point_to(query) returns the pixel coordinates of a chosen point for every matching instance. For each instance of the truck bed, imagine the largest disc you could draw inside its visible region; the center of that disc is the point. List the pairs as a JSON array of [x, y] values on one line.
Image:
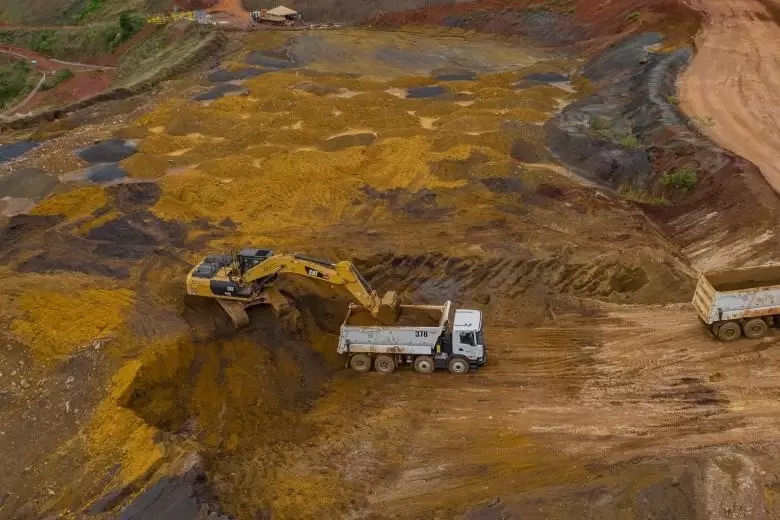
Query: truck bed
[[738, 294], [417, 331]]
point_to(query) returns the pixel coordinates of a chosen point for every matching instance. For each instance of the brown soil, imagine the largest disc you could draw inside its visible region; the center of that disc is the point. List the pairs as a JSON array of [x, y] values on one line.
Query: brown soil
[[734, 93], [407, 317], [81, 86]]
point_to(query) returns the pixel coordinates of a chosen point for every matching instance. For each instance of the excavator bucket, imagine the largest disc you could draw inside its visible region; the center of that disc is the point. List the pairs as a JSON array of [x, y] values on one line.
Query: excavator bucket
[[387, 312]]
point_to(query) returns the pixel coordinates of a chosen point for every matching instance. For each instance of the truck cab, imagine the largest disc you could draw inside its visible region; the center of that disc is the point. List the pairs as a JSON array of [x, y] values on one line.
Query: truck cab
[[467, 336]]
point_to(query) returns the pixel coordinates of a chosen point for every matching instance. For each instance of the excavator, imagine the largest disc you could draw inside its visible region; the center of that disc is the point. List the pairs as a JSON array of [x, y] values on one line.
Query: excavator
[[242, 279]]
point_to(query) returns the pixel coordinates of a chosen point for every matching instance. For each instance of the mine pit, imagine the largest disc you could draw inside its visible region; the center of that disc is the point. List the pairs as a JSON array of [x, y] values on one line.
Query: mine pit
[[450, 152]]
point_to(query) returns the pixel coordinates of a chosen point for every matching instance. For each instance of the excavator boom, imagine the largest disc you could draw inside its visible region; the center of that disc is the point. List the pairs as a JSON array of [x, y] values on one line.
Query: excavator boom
[[246, 278]]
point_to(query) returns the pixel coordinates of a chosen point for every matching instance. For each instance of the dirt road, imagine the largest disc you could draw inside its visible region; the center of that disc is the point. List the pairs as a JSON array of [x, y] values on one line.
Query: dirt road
[[734, 80]]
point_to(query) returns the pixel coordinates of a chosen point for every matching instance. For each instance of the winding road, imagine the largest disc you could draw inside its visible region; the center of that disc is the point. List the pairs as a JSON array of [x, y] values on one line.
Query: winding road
[[45, 66], [735, 80]]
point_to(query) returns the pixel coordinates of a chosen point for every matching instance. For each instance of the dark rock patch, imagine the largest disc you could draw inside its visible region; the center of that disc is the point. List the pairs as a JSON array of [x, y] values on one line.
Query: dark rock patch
[[546, 77], [141, 228], [220, 91], [528, 83], [425, 92], [76, 260], [524, 152], [262, 58], [504, 184], [105, 173], [27, 183], [223, 76], [347, 141], [20, 227], [109, 151], [12, 151], [139, 195]]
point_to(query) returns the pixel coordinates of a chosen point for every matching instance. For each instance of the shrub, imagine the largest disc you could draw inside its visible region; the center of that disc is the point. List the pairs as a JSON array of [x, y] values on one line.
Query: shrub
[[633, 16], [684, 179], [600, 122], [57, 78], [672, 100], [630, 192], [630, 141]]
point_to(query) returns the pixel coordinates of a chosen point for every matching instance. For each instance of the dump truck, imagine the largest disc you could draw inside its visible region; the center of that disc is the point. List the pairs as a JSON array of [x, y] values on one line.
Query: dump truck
[[740, 301], [424, 336]]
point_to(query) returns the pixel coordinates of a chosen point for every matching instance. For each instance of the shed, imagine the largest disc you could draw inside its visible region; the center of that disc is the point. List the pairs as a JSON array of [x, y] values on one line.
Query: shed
[[281, 11]]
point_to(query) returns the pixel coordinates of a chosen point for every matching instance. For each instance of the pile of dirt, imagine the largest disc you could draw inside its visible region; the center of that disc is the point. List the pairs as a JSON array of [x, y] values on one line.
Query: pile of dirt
[[407, 317], [27, 183], [110, 151]]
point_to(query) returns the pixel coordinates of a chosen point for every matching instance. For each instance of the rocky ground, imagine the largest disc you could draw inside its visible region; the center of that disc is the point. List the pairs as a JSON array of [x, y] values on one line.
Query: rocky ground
[[447, 165]]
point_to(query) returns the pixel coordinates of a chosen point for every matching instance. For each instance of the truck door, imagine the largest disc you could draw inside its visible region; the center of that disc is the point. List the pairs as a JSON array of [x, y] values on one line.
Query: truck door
[[465, 344]]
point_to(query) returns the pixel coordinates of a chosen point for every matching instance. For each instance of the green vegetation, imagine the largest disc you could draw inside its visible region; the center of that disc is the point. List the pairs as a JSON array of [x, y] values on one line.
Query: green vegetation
[[633, 16], [94, 40], [91, 7], [683, 179], [672, 100], [630, 141], [600, 123], [14, 82], [630, 192], [702, 121], [57, 78]]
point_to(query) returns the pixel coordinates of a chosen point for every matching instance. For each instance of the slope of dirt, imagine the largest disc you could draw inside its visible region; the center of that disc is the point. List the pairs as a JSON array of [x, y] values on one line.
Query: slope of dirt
[[732, 83]]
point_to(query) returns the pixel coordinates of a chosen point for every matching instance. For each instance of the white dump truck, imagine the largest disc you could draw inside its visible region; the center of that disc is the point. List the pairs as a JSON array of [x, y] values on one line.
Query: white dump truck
[[424, 337], [741, 301]]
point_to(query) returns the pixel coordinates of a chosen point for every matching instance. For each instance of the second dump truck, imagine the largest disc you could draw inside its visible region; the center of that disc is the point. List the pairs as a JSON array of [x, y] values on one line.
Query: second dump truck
[[426, 337], [741, 301]]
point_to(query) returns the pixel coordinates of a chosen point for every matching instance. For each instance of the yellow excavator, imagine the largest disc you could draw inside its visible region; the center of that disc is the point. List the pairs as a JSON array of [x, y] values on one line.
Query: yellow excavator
[[245, 278]]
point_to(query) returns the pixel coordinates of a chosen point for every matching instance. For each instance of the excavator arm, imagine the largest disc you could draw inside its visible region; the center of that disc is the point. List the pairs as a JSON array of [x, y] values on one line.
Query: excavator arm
[[244, 279]]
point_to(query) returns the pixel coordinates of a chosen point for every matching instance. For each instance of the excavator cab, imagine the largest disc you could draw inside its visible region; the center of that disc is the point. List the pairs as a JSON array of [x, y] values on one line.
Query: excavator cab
[[249, 257]]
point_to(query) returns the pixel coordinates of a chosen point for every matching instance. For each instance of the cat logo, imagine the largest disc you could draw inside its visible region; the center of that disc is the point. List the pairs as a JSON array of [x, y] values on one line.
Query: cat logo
[[316, 274]]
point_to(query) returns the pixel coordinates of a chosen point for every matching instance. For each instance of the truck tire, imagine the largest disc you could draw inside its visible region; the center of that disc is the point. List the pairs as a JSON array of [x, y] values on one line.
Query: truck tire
[[384, 364], [755, 328], [360, 362], [458, 366], [729, 331], [424, 365]]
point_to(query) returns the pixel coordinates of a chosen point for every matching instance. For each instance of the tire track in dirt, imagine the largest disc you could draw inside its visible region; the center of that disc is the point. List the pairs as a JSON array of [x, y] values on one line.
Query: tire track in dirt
[[734, 80]]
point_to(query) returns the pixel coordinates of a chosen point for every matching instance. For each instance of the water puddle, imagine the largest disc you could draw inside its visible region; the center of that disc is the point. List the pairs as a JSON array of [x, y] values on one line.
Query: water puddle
[[263, 59]]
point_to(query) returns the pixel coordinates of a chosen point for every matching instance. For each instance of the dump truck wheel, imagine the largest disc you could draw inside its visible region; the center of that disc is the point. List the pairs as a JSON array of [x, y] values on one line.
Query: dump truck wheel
[[755, 328], [424, 365], [384, 364], [729, 331], [458, 366], [360, 363]]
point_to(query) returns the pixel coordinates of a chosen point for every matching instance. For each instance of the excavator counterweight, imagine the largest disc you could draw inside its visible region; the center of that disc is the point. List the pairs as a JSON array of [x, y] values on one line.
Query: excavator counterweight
[[244, 279]]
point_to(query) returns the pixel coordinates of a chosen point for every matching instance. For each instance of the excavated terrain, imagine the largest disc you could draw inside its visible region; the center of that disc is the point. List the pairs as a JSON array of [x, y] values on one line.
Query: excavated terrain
[[448, 165]]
